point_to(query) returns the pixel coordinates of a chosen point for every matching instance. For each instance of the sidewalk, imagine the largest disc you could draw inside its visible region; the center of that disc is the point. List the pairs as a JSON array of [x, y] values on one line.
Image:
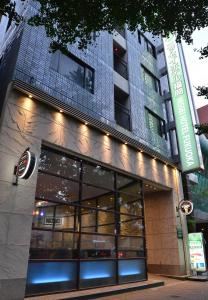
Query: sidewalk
[[152, 282]]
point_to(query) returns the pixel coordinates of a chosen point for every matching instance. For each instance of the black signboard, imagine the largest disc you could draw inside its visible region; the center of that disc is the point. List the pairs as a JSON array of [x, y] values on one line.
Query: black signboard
[[26, 165]]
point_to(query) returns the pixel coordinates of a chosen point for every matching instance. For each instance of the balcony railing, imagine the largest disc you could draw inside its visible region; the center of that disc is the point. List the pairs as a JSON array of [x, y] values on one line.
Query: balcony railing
[[122, 116], [120, 66]]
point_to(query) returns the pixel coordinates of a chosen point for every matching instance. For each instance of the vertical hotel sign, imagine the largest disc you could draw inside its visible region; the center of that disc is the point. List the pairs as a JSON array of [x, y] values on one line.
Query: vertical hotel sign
[[184, 125]]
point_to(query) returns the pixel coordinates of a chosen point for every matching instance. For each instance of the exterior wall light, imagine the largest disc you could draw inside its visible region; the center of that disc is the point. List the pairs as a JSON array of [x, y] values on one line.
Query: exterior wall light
[[30, 96]]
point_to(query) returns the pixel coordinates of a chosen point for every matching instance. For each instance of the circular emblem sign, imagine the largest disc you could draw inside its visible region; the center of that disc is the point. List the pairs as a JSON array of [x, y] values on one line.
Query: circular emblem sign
[[26, 165], [186, 207]]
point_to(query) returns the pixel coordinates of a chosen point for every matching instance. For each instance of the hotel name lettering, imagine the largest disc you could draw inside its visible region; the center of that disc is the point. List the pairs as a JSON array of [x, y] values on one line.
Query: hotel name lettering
[[184, 126]]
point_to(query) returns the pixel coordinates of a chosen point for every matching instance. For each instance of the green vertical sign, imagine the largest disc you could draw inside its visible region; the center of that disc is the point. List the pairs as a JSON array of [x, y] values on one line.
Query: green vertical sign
[[196, 251], [184, 125]]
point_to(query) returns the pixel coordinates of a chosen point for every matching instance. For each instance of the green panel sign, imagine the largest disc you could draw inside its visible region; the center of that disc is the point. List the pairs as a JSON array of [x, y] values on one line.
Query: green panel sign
[[184, 125], [196, 251]]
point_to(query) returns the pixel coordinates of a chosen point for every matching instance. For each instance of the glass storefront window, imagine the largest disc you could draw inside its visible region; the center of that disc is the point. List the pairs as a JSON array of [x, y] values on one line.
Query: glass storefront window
[[97, 246], [57, 189], [53, 245], [88, 215], [98, 176], [129, 206], [59, 164], [48, 215], [130, 247], [130, 226]]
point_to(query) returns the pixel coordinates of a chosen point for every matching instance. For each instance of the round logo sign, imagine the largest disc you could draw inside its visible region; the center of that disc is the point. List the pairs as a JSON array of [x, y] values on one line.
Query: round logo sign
[[26, 165], [186, 207]]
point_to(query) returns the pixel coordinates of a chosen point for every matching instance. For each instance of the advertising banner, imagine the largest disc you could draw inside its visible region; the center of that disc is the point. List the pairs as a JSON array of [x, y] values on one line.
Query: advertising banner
[[196, 252], [188, 150]]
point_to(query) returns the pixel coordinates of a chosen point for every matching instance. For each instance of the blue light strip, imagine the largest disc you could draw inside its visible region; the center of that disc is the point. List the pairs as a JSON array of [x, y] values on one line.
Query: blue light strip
[[50, 280], [126, 273], [96, 276]]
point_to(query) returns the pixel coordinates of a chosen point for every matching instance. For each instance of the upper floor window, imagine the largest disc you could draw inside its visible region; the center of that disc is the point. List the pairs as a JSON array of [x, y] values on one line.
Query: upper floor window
[[148, 45], [74, 69], [120, 60], [155, 123], [150, 80]]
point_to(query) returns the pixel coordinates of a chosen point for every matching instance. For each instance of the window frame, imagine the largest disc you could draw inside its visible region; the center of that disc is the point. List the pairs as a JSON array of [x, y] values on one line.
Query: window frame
[[77, 61], [161, 123], [157, 85], [148, 44]]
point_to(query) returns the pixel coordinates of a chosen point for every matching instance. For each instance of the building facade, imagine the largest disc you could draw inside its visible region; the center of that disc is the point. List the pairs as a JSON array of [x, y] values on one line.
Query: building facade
[[101, 205]]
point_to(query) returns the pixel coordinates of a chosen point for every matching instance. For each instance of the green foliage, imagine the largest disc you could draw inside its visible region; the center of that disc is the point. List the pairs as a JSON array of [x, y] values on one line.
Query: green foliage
[[73, 20], [202, 91], [202, 128], [7, 8]]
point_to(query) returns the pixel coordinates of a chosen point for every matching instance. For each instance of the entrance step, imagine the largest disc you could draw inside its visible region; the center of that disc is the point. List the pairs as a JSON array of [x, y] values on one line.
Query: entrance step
[[202, 277], [100, 292]]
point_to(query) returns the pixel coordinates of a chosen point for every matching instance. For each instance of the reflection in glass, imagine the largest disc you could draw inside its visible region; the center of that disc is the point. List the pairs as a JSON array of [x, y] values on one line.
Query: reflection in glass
[[86, 212], [48, 215], [130, 247], [128, 205], [53, 245], [130, 226], [97, 246], [59, 164], [97, 175], [97, 221], [56, 189]]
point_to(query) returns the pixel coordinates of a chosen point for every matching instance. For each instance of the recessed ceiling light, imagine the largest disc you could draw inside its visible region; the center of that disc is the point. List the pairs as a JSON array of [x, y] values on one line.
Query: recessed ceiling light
[[86, 123], [107, 134], [125, 143], [30, 96], [60, 110]]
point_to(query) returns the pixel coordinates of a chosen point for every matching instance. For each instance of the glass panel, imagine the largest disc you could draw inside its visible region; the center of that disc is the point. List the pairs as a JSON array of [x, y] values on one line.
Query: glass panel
[[67, 217], [97, 273], [130, 247], [55, 60], [89, 218], [106, 222], [97, 175], [59, 164], [128, 207], [133, 188], [105, 202], [53, 245], [71, 69], [123, 181], [47, 277], [97, 221], [49, 215], [97, 246], [130, 226], [56, 189], [131, 270], [90, 193], [89, 80]]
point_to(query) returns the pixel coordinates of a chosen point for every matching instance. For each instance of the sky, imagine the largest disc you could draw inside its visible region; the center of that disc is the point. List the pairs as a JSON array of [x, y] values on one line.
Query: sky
[[197, 68]]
